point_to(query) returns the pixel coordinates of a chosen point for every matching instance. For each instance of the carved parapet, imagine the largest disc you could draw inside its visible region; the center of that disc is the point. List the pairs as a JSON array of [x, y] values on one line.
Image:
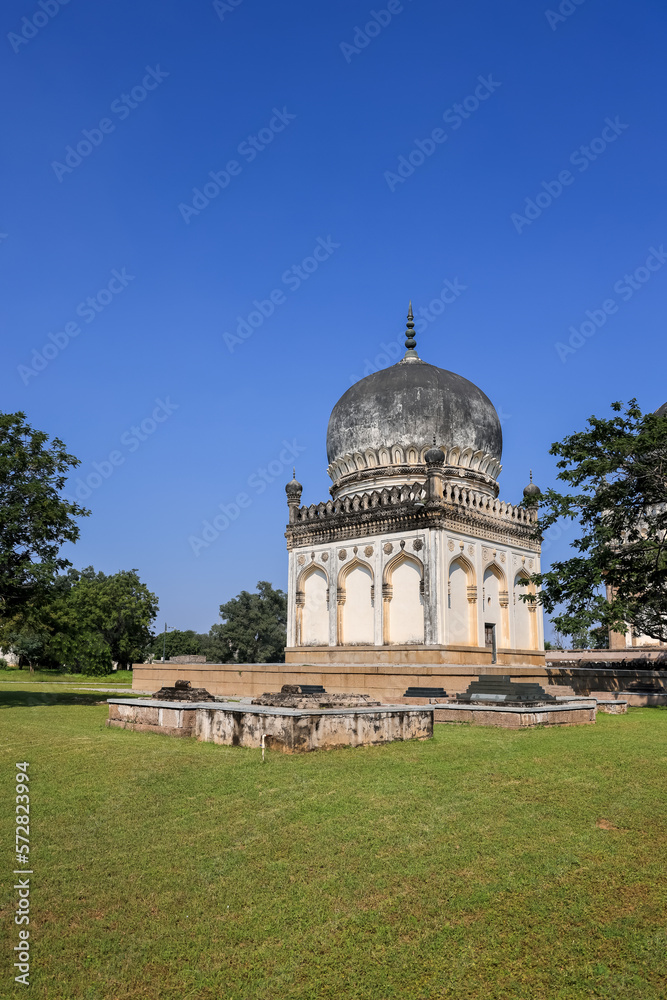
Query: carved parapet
[[408, 507], [459, 496]]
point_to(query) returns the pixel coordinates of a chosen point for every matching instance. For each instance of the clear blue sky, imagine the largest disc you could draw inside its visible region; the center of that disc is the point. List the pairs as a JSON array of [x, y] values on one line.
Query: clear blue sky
[[169, 93]]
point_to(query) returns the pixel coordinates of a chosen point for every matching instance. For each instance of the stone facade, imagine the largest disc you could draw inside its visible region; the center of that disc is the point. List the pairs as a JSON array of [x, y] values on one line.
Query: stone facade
[[404, 568]]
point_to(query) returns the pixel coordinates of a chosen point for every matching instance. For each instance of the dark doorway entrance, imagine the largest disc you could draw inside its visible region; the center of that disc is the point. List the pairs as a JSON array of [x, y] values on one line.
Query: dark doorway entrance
[[490, 640]]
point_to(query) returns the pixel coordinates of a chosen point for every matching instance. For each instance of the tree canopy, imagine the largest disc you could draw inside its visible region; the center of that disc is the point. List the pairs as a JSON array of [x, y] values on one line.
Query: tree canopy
[[177, 643], [118, 609], [86, 621], [254, 627], [616, 470], [36, 518]]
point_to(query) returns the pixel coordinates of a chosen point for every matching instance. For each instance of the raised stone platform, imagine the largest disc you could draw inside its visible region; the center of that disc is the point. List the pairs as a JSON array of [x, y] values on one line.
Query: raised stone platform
[[612, 706], [573, 713], [388, 682], [289, 730], [637, 699]]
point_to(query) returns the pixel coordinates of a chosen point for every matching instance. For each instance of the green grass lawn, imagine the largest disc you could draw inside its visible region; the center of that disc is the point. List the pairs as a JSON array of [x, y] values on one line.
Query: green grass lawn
[[12, 675], [481, 864]]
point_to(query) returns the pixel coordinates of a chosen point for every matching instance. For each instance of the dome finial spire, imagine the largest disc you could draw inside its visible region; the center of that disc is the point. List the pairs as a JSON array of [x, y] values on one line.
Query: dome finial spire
[[531, 490], [410, 342]]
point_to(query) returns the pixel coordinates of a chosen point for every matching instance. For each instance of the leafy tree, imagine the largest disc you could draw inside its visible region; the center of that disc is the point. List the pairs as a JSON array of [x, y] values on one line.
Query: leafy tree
[[580, 640], [215, 649], [86, 620], [83, 652], [31, 633], [254, 628], [36, 518], [29, 645], [119, 609], [176, 643], [617, 469]]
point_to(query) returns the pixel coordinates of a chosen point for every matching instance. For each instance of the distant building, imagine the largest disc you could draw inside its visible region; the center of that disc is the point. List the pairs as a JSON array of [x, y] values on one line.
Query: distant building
[[414, 559]]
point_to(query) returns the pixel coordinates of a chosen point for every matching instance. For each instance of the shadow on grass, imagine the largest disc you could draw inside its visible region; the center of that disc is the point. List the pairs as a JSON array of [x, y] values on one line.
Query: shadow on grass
[[37, 699]]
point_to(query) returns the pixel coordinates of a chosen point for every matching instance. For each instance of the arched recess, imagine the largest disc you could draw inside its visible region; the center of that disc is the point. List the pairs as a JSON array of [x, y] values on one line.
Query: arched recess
[[496, 603], [403, 600], [312, 607], [525, 614], [356, 614], [462, 603]]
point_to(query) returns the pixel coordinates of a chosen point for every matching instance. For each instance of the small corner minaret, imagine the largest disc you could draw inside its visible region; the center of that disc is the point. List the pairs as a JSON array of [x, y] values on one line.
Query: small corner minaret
[[294, 489], [435, 461], [410, 342], [531, 490]]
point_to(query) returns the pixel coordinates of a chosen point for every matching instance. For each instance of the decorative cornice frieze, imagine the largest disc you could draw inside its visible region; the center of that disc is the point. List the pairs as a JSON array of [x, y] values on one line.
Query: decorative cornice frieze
[[395, 459]]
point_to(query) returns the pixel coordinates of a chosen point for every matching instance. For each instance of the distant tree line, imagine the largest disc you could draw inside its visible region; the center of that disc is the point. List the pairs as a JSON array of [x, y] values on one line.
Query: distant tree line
[[253, 630], [53, 615]]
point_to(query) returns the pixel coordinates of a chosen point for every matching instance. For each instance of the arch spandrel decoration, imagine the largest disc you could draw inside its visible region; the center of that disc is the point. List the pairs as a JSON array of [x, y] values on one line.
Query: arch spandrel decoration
[[403, 600], [355, 598], [461, 611], [312, 607], [495, 600]]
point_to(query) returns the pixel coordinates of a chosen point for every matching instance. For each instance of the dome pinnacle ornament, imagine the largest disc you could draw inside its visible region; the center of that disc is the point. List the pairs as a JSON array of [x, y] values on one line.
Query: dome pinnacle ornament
[[410, 342], [531, 490]]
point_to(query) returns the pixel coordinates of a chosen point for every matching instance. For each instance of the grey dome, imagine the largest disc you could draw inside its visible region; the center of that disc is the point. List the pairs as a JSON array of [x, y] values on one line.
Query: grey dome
[[406, 405], [662, 410]]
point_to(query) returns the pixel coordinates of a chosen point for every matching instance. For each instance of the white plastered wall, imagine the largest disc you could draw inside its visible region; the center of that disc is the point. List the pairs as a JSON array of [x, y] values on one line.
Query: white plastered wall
[[435, 550]]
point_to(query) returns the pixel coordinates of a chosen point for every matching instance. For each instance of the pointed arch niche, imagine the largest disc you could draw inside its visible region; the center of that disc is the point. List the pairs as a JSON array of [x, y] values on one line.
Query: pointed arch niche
[[312, 607], [525, 614], [403, 600], [356, 614], [495, 598], [462, 603]]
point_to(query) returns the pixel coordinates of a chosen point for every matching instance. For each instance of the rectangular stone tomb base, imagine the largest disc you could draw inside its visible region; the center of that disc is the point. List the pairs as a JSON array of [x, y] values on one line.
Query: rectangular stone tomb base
[[613, 706], [609, 706], [520, 717], [285, 729]]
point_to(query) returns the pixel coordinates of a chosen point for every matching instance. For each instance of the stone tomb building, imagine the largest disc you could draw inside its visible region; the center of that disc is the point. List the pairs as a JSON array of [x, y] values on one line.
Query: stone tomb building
[[414, 559]]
